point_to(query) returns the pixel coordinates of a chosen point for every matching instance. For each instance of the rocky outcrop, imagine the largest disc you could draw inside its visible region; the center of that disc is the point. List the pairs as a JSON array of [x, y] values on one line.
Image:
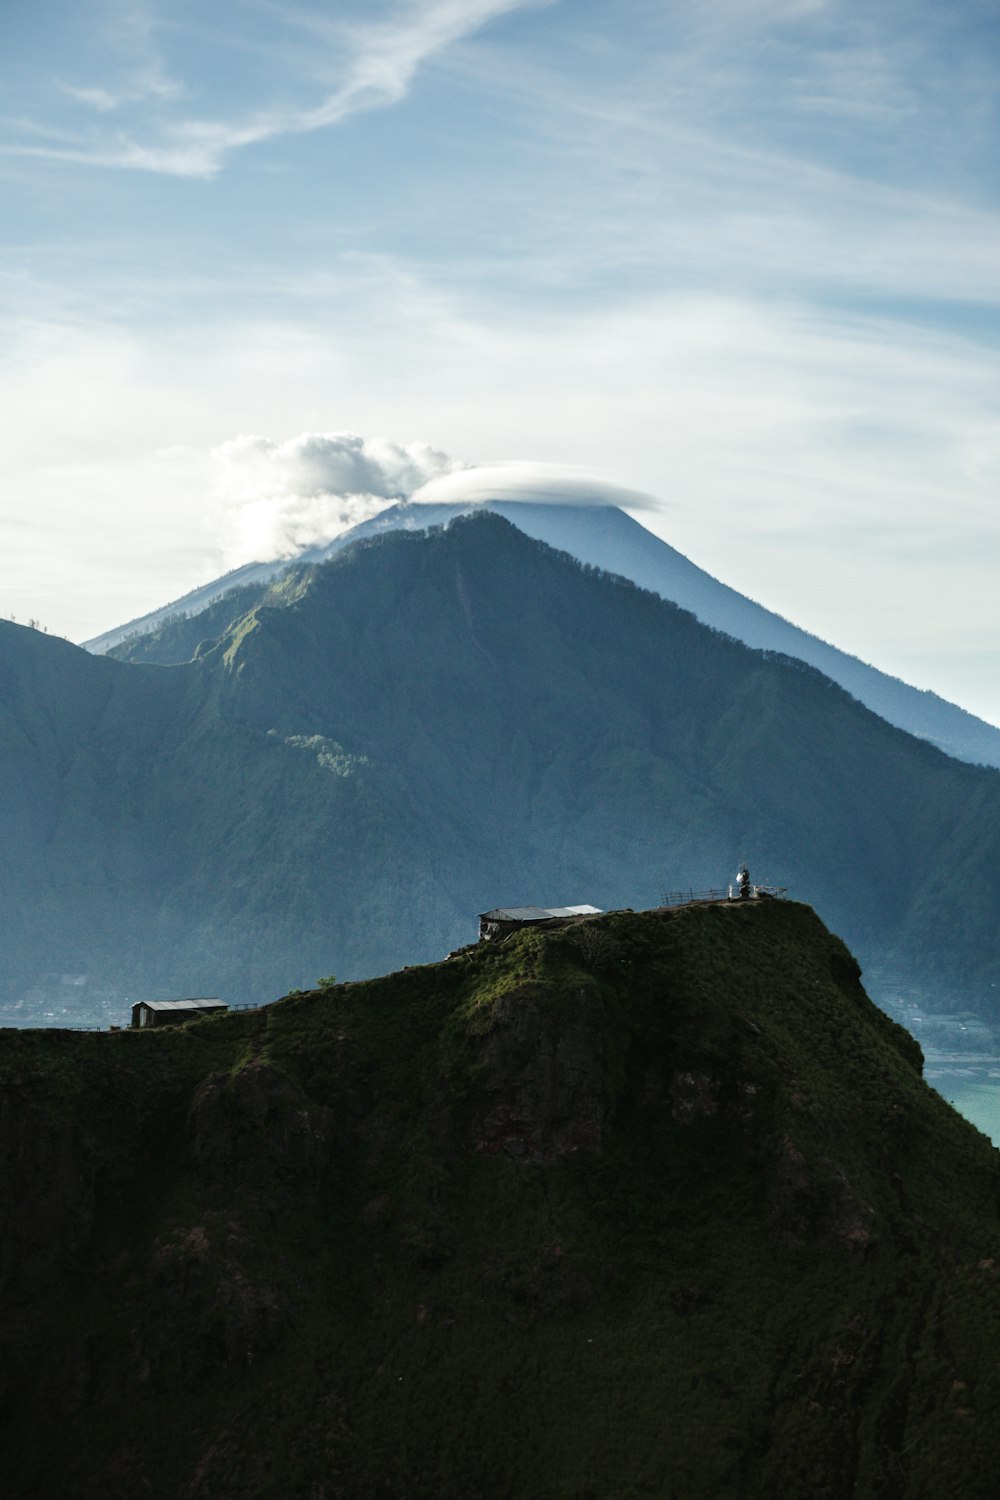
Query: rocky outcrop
[[252, 1129], [540, 1086], [667, 1210], [814, 1198]]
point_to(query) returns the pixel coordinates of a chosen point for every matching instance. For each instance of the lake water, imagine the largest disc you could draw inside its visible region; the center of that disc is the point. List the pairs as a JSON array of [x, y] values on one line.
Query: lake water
[[961, 1056], [973, 1088]]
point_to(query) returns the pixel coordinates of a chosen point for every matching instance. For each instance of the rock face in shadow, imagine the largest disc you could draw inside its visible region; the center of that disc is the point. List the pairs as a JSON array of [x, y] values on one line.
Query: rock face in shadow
[[251, 1129], [47, 1208], [659, 1205], [541, 1084]]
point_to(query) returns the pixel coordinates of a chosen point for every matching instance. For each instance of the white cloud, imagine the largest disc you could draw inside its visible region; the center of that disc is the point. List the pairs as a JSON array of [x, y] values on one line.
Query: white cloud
[[275, 499], [382, 58], [730, 251], [150, 84], [522, 480], [816, 462], [95, 98]]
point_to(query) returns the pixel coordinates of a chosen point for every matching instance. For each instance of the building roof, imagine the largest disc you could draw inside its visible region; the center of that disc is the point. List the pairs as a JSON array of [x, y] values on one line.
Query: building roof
[[183, 1004], [537, 913]]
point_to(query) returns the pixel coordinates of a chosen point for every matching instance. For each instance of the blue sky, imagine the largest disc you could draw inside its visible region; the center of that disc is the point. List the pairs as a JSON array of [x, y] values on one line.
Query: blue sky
[[741, 255]]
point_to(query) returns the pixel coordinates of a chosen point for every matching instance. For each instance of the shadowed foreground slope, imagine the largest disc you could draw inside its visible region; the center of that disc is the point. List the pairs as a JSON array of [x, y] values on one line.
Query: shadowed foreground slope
[[652, 1205]]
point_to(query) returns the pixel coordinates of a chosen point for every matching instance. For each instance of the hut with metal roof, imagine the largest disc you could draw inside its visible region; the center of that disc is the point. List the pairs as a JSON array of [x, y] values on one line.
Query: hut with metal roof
[[172, 1012], [507, 919]]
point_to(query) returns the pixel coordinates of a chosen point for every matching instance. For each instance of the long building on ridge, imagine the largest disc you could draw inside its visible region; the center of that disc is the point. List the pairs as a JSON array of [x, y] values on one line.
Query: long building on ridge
[[172, 1012], [507, 919]]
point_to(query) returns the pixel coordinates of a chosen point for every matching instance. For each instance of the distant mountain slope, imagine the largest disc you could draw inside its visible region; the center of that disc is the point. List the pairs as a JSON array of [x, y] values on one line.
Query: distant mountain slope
[[657, 1205], [607, 538], [383, 746]]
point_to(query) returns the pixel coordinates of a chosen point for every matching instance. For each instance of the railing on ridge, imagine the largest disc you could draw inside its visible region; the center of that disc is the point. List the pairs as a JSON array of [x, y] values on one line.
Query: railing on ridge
[[688, 898], [729, 893]]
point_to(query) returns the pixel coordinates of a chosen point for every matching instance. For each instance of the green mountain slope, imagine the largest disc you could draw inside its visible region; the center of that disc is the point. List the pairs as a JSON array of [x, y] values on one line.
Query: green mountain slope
[[607, 538], [434, 724], [655, 1204]]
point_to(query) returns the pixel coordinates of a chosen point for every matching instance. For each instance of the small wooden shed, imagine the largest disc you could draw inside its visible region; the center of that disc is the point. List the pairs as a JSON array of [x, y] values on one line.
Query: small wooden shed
[[507, 919], [172, 1012]]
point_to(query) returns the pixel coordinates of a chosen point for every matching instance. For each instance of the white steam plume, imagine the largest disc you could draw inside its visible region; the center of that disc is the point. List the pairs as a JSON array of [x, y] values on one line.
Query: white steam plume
[[276, 499]]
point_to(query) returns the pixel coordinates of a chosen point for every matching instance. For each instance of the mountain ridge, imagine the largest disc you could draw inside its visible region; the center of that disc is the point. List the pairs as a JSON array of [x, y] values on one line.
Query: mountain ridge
[[605, 537], [653, 1203], [380, 748]]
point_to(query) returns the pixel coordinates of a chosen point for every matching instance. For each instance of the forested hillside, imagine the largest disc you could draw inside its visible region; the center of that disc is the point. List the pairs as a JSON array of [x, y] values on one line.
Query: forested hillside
[[436, 723], [602, 536], [651, 1205]]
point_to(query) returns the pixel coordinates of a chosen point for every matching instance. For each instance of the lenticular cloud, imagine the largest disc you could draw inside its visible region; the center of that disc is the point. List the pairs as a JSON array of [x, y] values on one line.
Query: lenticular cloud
[[538, 483], [275, 499]]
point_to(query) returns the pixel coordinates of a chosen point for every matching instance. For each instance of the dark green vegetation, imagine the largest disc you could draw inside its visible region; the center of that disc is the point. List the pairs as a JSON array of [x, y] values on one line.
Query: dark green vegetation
[[606, 538], [430, 725], [653, 1205]]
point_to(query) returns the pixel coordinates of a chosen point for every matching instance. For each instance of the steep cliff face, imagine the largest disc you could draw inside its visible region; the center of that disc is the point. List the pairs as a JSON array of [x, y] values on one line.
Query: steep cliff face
[[541, 1089], [652, 1204]]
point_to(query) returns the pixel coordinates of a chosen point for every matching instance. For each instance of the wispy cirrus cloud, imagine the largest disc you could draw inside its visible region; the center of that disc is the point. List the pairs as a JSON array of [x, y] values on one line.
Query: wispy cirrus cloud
[[134, 72], [376, 60], [147, 84]]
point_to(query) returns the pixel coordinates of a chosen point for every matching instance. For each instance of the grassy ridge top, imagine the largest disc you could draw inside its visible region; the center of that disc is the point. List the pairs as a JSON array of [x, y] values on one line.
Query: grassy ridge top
[[653, 1204]]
